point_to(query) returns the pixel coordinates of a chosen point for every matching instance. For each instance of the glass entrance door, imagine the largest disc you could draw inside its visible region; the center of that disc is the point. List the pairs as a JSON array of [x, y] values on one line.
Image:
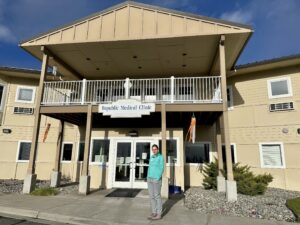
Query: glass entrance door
[[142, 153], [131, 163], [123, 168]]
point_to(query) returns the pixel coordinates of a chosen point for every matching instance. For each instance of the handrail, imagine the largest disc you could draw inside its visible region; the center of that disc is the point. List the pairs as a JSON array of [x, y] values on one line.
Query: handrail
[[157, 90]]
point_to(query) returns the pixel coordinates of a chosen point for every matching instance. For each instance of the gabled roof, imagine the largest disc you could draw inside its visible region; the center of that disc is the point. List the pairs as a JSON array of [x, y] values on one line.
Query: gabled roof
[[131, 20]]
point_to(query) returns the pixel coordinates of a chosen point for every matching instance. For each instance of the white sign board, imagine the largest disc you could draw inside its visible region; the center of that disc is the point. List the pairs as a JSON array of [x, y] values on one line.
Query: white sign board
[[126, 108]]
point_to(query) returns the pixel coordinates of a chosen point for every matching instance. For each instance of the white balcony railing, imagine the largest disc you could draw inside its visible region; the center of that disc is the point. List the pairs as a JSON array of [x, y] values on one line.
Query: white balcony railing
[[168, 90]]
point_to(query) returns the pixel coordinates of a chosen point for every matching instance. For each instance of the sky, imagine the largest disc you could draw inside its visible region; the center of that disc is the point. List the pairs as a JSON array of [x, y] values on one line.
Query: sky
[[276, 23]]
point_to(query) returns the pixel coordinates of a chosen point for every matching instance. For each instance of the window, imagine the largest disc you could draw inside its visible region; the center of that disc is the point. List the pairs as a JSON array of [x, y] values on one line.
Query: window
[[24, 150], [233, 154], [271, 155], [229, 97], [25, 94], [67, 152], [81, 152], [197, 152], [278, 88], [171, 149], [1, 96], [100, 150]]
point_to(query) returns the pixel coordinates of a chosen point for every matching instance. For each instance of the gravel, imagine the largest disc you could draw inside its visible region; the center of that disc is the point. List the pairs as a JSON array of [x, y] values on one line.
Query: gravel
[[16, 186], [270, 206]]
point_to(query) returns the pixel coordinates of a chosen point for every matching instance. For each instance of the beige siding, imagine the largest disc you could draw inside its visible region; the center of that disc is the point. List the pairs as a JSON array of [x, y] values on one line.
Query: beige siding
[[252, 123], [132, 22]]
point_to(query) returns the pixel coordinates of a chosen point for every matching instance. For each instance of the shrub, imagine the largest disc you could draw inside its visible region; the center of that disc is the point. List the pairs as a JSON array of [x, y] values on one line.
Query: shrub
[[247, 182], [44, 191]]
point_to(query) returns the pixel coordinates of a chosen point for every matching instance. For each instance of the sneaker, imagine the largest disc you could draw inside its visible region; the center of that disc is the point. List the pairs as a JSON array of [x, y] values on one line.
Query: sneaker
[[152, 215], [157, 217]]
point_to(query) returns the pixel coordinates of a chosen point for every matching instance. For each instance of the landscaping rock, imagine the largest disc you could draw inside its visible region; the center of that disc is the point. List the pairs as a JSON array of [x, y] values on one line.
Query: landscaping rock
[[270, 206]]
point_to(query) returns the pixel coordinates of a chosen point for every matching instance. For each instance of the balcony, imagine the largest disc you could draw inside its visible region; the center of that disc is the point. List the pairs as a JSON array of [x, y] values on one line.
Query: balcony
[[158, 90]]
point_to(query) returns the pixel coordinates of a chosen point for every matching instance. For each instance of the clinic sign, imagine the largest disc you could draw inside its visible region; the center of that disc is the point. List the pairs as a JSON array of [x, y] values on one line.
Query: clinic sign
[[126, 108]]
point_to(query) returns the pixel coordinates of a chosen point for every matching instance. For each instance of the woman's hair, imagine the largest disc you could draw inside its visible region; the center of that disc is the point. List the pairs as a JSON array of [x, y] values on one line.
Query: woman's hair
[[155, 145]]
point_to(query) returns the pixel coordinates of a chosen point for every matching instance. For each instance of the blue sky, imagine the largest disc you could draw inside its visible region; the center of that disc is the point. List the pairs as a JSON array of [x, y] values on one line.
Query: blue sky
[[276, 23]]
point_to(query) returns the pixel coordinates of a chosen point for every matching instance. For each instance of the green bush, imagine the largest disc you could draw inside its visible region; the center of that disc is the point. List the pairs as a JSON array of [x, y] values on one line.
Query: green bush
[[247, 182], [44, 191]]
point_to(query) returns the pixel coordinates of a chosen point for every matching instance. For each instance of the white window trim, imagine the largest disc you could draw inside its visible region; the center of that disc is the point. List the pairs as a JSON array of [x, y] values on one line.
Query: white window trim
[[25, 87], [230, 107], [3, 97], [18, 150], [210, 154], [62, 152], [91, 151], [289, 84], [282, 154], [78, 151], [234, 151], [177, 151]]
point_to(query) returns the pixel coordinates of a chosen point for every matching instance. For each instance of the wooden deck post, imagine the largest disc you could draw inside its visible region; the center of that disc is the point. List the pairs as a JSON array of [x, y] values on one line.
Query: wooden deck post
[[221, 185], [84, 182], [231, 191], [56, 173], [165, 179], [30, 179]]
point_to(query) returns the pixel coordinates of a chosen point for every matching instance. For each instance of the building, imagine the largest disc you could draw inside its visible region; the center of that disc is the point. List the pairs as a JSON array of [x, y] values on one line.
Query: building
[[134, 75]]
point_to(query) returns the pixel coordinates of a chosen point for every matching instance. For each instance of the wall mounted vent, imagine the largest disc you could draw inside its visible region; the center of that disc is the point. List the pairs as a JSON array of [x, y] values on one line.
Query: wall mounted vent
[[281, 106], [23, 110]]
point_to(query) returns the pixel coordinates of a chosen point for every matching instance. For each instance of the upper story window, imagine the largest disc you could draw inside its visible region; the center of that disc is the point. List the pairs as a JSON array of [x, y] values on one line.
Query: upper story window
[[281, 87], [25, 94]]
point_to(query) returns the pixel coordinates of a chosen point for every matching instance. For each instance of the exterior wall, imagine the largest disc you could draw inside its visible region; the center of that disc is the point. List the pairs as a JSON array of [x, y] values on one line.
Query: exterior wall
[[21, 127], [252, 123]]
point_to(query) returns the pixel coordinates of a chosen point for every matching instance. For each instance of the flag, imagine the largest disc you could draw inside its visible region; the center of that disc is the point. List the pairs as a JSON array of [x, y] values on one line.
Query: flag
[[46, 132], [192, 130]]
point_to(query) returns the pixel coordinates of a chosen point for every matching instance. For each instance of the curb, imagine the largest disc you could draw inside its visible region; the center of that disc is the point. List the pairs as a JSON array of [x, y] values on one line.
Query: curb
[[52, 217]]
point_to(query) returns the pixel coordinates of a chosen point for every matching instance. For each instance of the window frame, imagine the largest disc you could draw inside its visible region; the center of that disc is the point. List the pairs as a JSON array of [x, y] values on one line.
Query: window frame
[[234, 151], [168, 164], [18, 151], [230, 103], [289, 86], [25, 87], [91, 151], [62, 152], [78, 151], [210, 153], [281, 152]]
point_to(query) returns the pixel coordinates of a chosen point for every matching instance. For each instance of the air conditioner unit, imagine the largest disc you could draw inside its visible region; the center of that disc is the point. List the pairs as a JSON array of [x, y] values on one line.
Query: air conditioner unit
[[23, 110], [281, 106]]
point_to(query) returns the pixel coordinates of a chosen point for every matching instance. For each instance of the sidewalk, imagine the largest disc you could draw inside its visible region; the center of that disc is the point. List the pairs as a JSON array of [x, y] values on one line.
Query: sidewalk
[[100, 210]]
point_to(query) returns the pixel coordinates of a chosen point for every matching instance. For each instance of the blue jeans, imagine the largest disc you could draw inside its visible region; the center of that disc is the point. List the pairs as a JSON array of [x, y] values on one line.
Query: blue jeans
[[154, 188]]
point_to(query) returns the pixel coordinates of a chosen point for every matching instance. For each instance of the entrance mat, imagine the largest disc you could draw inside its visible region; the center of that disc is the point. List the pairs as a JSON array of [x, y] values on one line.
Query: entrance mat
[[124, 193]]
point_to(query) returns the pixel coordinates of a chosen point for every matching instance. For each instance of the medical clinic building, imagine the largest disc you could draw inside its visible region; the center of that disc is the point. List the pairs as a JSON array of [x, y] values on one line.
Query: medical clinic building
[[134, 75]]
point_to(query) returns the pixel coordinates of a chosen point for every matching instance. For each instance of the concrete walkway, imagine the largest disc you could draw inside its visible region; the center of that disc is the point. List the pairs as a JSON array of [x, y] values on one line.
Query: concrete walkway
[[100, 210]]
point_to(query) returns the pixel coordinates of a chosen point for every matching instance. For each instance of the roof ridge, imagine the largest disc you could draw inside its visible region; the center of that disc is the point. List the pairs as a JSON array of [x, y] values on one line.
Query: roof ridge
[[139, 4]]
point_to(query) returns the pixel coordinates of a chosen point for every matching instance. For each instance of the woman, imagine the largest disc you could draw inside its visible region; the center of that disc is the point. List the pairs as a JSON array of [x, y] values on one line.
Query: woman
[[155, 171]]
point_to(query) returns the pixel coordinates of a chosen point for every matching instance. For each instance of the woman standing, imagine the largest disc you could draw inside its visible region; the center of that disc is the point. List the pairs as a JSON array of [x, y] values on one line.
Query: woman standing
[[155, 171]]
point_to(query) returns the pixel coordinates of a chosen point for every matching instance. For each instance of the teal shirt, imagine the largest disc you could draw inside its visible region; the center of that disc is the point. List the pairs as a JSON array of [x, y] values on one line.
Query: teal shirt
[[156, 167]]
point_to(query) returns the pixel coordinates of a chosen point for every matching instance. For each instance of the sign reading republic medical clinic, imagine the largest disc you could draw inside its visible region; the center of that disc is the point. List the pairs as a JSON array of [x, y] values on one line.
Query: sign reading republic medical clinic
[[126, 108]]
